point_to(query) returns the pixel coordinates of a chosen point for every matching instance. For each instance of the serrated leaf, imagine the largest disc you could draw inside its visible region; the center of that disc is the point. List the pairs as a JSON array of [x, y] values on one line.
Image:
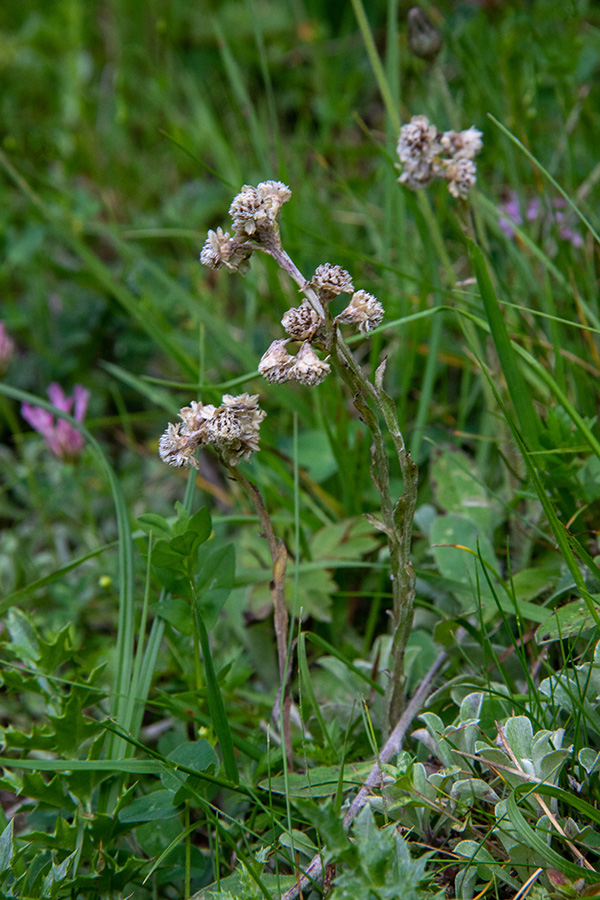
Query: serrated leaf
[[349, 539]]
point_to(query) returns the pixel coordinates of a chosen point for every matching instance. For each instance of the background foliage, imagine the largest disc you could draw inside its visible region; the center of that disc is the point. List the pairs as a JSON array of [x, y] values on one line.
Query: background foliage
[[138, 749]]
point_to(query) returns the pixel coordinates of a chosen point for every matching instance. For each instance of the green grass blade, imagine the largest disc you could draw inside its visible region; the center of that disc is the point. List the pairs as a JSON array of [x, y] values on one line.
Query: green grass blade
[[527, 417], [546, 174], [308, 689], [216, 706]]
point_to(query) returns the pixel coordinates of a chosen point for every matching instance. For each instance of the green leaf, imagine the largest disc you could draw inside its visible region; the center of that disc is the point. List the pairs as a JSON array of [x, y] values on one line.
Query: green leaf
[[529, 421], [150, 523], [457, 541], [322, 781], [24, 639], [150, 808], [220, 722], [214, 579], [176, 612], [7, 847], [572, 619], [458, 488], [198, 755]]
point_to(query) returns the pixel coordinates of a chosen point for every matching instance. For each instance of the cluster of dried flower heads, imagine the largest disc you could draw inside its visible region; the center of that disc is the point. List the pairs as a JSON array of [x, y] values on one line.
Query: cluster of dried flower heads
[[427, 153], [232, 428]]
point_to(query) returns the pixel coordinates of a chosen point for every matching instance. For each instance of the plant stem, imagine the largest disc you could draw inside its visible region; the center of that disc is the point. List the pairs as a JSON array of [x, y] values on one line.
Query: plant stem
[[397, 518], [278, 553]]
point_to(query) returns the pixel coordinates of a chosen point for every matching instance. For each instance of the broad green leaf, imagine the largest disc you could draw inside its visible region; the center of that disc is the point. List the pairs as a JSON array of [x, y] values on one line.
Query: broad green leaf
[[156, 525], [456, 542], [572, 619], [322, 781], [458, 488], [176, 612], [531, 583], [150, 808], [198, 755]]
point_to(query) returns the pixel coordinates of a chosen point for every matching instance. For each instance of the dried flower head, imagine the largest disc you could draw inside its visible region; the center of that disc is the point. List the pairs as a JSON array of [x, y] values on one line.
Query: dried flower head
[[427, 154], [221, 250], [255, 209], [276, 362], [236, 427], [363, 310], [418, 147], [302, 322], [233, 428], [195, 417], [329, 281], [177, 449], [461, 175], [462, 144], [308, 368]]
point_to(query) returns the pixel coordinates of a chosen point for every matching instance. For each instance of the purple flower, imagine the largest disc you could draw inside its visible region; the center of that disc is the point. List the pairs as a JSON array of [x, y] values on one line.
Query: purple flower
[[59, 436], [511, 214]]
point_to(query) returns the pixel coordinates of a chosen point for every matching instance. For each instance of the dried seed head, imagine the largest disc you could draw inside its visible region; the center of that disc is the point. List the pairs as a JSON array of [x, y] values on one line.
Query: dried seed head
[[274, 194], [418, 147], [221, 250], [329, 281], [363, 310], [195, 417], [302, 322], [462, 144], [177, 449], [255, 209], [461, 175], [233, 428], [424, 40], [237, 434], [308, 368], [276, 363]]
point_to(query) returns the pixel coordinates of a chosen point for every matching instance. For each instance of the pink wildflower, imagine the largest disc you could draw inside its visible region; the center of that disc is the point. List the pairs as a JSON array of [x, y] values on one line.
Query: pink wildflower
[[59, 436]]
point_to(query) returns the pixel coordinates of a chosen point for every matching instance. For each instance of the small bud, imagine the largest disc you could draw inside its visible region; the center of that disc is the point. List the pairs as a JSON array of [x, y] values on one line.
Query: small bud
[[424, 40], [276, 363], [302, 322], [308, 368]]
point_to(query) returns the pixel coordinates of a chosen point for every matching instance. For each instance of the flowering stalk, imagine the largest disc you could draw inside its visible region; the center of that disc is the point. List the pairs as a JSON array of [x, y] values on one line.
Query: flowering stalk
[[313, 326]]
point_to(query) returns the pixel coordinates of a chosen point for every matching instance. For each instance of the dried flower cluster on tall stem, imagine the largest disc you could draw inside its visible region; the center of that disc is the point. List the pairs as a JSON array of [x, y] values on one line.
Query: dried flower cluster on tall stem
[[426, 154], [312, 345]]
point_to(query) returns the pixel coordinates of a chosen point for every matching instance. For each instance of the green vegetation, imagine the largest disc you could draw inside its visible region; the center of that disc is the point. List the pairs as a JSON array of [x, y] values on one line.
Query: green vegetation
[[162, 734]]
